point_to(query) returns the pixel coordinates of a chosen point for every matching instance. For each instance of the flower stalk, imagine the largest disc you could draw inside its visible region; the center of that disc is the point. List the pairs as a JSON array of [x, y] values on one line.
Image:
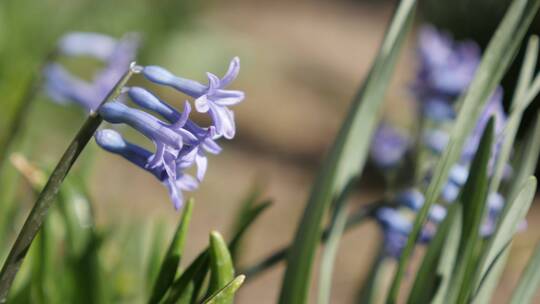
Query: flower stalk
[[37, 215]]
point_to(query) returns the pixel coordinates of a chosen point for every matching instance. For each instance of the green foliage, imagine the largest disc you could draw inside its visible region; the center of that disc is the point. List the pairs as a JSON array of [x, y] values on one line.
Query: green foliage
[[173, 256], [73, 260], [224, 295], [497, 57], [345, 161]]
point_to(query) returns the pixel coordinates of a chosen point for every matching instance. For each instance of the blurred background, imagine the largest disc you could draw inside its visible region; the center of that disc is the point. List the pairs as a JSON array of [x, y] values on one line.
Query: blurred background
[[302, 62]]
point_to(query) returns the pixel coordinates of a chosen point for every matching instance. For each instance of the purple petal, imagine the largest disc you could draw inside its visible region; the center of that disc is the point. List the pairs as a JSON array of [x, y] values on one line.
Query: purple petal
[[87, 44], [232, 72]]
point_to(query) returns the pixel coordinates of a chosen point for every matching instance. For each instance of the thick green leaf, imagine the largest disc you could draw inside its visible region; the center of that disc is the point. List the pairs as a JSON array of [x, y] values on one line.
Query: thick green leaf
[[497, 58], [170, 264], [425, 285], [473, 199], [221, 264], [517, 210], [224, 295], [529, 280], [346, 160]]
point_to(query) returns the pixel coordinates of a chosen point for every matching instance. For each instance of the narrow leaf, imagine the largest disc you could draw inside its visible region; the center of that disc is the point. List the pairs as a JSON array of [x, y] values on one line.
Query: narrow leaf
[[337, 227], [529, 280], [345, 161], [508, 226], [425, 287], [473, 199], [170, 264], [496, 60]]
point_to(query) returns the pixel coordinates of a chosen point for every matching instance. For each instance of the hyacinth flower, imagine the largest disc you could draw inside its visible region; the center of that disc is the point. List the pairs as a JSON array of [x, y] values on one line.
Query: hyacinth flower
[[446, 69], [116, 54], [396, 228], [180, 144], [212, 97], [388, 147]]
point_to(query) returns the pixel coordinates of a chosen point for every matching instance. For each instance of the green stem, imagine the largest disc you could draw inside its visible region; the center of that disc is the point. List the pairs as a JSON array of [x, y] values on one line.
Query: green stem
[[49, 193], [280, 255]]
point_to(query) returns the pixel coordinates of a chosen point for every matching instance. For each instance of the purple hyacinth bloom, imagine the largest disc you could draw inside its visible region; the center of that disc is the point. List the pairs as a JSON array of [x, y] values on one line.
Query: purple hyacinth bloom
[[438, 109], [446, 67], [436, 140], [396, 228], [414, 200], [212, 98], [193, 153], [175, 180], [64, 87], [388, 147]]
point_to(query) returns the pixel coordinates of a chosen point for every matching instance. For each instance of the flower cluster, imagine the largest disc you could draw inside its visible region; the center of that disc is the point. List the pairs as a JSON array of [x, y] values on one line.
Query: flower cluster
[[179, 142], [64, 87], [446, 69]]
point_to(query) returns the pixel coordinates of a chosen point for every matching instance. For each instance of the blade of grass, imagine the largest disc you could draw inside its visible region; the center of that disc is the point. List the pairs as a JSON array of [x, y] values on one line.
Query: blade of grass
[[241, 216], [355, 219], [345, 161], [172, 258], [496, 60], [449, 256], [337, 226], [473, 199], [222, 296], [527, 162], [247, 218], [529, 280], [424, 288], [508, 226], [36, 217], [519, 104]]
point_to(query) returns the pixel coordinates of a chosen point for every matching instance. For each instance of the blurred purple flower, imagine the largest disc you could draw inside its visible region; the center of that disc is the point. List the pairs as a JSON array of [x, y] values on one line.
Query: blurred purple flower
[[396, 228], [212, 98], [413, 199], [388, 147], [64, 87], [446, 66]]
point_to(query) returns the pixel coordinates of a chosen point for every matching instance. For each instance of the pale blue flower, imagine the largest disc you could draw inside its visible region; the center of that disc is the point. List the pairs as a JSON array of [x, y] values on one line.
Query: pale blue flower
[[388, 147], [396, 228], [213, 98]]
